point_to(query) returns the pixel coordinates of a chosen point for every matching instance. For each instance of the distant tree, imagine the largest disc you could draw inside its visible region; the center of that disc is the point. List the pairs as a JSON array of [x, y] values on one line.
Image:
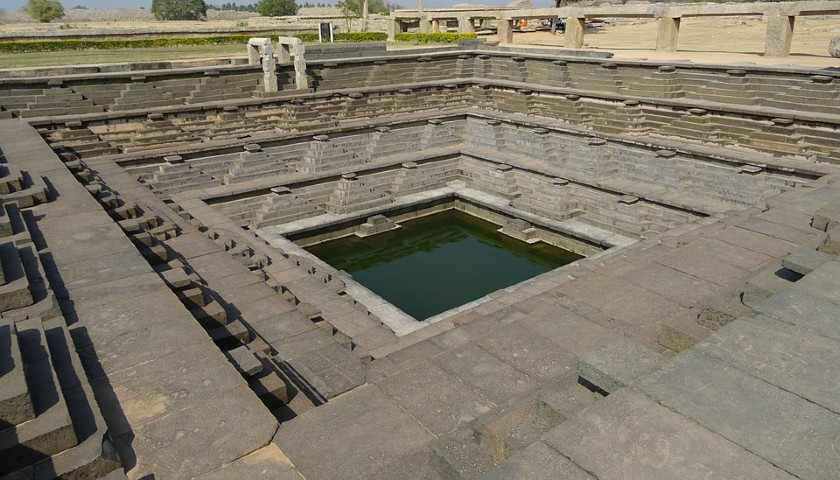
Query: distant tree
[[79, 7], [272, 8], [350, 8], [179, 9], [45, 10]]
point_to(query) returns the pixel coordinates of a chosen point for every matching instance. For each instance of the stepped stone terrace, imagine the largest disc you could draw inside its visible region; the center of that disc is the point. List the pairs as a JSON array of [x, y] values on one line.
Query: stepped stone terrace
[[161, 318]]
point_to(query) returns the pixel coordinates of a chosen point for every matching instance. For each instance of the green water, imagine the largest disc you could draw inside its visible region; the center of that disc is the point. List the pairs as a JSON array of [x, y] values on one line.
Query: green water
[[439, 262]]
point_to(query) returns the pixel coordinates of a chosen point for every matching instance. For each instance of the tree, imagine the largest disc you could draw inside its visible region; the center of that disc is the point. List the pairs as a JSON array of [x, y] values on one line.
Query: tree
[[272, 8], [45, 10], [350, 8], [179, 9]]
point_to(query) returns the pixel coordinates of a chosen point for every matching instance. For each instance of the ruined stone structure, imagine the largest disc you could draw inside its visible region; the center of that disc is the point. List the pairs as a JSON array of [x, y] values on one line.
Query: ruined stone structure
[[158, 317], [781, 18]]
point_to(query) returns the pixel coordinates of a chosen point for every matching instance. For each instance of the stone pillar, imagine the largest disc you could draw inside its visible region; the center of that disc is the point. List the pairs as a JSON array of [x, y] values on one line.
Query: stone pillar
[[505, 31], [425, 25], [294, 46], [284, 50], [465, 25], [779, 34], [574, 32], [666, 37], [435, 26], [265, 55], [393, 27], [301, 80], [255, 49]]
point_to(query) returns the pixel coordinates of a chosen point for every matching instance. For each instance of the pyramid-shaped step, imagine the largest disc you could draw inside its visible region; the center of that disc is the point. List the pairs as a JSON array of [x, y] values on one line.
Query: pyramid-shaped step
[[14, 290], [15, 402], [51, 431]]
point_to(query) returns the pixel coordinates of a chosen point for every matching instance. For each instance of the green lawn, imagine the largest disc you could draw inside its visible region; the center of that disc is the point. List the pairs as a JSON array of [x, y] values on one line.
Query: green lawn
[[123, 55]]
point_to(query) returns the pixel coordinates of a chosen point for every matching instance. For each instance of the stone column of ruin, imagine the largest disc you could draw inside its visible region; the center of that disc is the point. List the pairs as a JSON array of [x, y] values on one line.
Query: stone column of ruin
[[779, 35], [505, 30], [574, 32], [668, 33]]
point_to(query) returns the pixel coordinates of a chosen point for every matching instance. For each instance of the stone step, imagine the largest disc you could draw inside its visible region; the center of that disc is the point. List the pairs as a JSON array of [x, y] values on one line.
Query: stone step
[[94, 456], [507, 430], [15, 402], [766, 283], [14, 291], [615, 365], [460, 456], [51, 431]]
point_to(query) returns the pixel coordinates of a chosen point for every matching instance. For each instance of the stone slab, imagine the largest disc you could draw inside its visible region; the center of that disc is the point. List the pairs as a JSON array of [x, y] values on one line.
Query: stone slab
[[438, 400], [121, 333], [268, 463], [135, 396], [210, 433], [803, 308], [496, 379], [756, 241], [781, 427], [528, 352], [351, 436], [617, 364], [711, 268], [670, 283], [806, 261], [538, 462], [797, 360], [631, 437]]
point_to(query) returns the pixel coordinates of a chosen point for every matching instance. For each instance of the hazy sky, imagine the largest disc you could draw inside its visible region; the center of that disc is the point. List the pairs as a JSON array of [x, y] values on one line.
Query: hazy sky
[[16, 4]]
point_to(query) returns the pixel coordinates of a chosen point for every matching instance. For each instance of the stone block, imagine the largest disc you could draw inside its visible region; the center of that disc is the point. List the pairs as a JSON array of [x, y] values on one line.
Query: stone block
[[826, 218], [192, 297], [230, 336], [763, 285], [270, 388], [616, 364], [244, 360], [804, 262], [538, 462], [176, 278], [210, 316], [459, 455], [831, 244]]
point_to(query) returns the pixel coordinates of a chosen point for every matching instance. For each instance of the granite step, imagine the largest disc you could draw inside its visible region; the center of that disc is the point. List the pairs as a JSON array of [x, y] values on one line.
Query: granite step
[[15, 401], [51, 431]]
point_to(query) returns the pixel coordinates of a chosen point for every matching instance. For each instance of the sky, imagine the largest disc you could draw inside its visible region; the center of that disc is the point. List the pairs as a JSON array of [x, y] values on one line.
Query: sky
[[16, 4]]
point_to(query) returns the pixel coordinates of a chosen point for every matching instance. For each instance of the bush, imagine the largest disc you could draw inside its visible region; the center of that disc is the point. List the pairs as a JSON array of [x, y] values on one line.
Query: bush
[[61, 45], [271, 8], [179, 9], [44, 10], [359, 37], [307, 37], [433, 37]]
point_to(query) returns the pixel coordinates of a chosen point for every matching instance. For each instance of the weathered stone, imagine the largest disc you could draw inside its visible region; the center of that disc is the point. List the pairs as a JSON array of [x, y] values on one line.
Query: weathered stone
[[834, 47], [616, 364]]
